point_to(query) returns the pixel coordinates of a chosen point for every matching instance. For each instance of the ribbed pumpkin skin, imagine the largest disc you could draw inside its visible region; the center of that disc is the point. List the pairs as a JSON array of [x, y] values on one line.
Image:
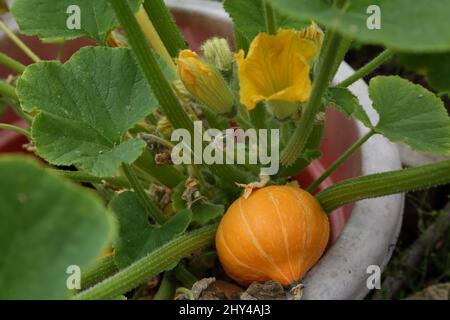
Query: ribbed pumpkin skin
[[278, 233]]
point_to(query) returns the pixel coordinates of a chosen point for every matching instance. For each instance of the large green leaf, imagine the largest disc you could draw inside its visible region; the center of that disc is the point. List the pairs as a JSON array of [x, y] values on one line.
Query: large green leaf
[[47, 225], [86, 105], [410, 114], [436, 68], [248, 18], [137, 238], [408, 25], [343, 100], [48, 18]]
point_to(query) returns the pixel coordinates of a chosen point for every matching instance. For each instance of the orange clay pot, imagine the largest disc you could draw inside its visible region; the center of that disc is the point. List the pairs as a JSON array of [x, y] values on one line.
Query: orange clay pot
[[278, 233]]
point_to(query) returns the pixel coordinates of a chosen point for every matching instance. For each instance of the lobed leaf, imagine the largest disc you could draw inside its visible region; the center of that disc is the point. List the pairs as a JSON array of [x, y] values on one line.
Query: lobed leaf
[[410, 114], [248, 18], [48, 18], [137, 238], [346, 102], [47, 224], [85, 107], [406, 25]]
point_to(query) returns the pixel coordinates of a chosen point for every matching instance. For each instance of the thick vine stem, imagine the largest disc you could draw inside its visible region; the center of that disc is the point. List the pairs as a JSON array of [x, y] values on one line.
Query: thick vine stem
[[382, 184], [151, 265], [165, 26], [104, 268], [301, 134]]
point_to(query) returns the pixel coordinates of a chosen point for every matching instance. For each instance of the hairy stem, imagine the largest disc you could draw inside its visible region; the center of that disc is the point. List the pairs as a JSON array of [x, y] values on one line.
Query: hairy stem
[[153, 38], [151, 265], [382, 184], [165, 26], [94, 274]]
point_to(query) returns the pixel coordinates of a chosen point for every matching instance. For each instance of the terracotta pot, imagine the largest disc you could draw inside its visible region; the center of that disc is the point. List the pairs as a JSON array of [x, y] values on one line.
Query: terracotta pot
[[370, 234]]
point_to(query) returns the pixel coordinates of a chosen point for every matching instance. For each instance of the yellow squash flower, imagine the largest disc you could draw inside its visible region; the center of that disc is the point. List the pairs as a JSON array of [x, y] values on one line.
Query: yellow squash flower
[[276, 69], [204, 82]]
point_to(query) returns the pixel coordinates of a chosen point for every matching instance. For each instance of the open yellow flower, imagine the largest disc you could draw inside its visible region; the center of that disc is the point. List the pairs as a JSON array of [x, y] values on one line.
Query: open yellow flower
[[276, 68], [204, 82]]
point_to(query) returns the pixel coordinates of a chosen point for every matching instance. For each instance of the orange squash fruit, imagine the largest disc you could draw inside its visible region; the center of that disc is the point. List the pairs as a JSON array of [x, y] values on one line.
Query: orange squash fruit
[[277, 233]]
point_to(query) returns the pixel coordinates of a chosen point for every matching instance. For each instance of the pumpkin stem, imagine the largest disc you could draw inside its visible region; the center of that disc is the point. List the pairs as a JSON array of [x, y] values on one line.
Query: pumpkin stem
[[248, 188], [296, 289]]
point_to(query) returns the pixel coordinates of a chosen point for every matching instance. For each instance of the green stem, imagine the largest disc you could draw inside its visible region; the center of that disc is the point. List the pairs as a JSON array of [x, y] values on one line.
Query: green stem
[[271, 21], [258, 116], [167, 175], [368, 68], [165, 26], [10, 127], [166, 289], [151, 265], [8, 90], [188, 293], [382, 184], [162, 89], [96, 273], [301, 134], [340, 161], [11, 63], [184, 275], [19, 42], [153, 210], [80, 176], [341, 53]]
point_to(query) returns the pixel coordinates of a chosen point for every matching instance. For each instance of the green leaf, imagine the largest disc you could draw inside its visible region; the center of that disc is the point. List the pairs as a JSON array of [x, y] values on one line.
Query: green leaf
[[47, 224], [137, 238], [177, 200], [344, 101], [48, 19], [406, 25], [85, 107], [410, 114], [436, 68], [204, 212], [248, 18]]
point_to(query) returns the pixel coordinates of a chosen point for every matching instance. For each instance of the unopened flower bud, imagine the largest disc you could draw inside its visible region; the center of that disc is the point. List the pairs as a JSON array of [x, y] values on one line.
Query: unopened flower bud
[[217, 52], [314, 34], [205, 82], [164, 127]]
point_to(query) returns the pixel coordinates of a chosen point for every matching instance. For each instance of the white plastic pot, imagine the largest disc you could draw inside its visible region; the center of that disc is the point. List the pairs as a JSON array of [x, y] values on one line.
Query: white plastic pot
[[371, 233]]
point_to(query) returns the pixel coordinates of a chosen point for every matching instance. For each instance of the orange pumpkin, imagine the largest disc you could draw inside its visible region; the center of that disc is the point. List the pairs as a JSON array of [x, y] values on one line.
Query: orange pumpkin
[[277, 233]]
